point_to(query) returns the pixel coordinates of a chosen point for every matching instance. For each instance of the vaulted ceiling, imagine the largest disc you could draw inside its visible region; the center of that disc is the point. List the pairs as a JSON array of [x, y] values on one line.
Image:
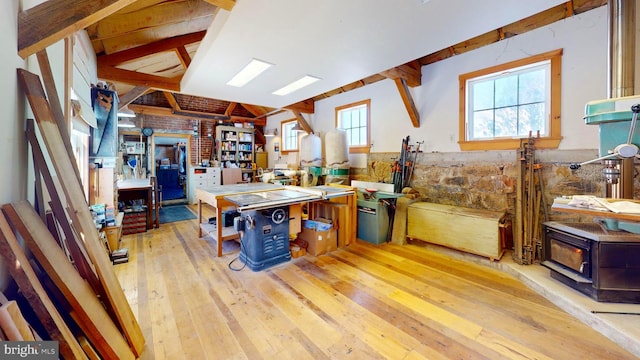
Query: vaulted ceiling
[[170, 56]]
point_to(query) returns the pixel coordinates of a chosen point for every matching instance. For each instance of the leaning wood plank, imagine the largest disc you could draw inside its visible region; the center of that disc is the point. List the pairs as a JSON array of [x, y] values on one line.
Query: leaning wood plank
[[77, 203], [16, 315], [86, 346], [8, 325], [75, 246], [56, 108], [35, 294], [87, 310]]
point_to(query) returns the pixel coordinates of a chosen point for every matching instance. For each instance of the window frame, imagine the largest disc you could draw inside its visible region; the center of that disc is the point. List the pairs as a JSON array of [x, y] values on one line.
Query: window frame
[[285, 134], [552, 141], [357, 148]]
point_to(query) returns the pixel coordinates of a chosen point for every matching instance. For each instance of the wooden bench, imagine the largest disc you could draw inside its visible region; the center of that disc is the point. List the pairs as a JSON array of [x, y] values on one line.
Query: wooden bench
[[474, 231]]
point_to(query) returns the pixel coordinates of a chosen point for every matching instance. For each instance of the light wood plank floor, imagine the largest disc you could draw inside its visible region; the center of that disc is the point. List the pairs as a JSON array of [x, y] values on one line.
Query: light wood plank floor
[[359, 302]]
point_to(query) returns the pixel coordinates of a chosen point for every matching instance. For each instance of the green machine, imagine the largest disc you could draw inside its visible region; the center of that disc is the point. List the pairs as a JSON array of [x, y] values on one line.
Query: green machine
[[616, 119]]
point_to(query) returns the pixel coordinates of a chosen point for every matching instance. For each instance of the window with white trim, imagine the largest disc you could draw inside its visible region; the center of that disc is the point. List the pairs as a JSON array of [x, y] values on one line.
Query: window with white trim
[[355, 120], [289, 137], [502, 104]]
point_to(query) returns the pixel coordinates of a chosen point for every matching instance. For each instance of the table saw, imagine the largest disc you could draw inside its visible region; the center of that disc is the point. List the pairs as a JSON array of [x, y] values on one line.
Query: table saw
[[252, 198]]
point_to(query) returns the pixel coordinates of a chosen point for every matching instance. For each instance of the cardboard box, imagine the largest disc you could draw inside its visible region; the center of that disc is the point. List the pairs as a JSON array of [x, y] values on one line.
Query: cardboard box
[[320, 242], [318, 224], [339, 215]]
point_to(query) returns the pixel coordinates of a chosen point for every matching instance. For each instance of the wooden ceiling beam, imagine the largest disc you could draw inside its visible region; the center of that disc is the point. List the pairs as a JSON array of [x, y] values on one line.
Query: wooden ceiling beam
[[183, 55], [303, 122], [411, 72], [256, 110], [223, 4], [109, 73], [158, 15], [168, 112], [131, 95], [409, 104], [304, 106], [169, 44], [230, 108], [53, 20], [172, 100]]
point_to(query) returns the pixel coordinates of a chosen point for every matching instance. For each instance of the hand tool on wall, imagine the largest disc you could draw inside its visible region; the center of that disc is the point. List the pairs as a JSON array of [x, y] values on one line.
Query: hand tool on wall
[[413, 164]]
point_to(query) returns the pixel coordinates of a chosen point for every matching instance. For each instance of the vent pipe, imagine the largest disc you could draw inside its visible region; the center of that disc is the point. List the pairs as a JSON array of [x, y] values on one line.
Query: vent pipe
[[622, 47], [621, 76]]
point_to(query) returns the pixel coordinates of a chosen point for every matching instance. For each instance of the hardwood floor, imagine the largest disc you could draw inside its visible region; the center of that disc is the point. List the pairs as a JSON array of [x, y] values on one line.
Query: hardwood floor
[[359, 302]]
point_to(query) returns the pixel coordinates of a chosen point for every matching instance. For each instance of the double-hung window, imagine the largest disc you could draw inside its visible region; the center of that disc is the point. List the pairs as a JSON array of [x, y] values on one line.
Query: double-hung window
[[502, 104], [355, 120], [289, 137]]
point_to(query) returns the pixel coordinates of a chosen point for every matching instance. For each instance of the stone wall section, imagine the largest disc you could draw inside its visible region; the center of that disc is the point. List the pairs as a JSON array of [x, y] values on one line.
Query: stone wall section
[[487, 180]]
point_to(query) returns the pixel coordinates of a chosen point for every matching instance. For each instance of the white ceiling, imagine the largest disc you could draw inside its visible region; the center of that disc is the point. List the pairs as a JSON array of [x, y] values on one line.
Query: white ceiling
[[339, 41]]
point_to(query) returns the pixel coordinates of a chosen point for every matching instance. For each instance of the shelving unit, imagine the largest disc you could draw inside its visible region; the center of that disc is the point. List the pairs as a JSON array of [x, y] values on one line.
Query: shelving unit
[[236, 146]]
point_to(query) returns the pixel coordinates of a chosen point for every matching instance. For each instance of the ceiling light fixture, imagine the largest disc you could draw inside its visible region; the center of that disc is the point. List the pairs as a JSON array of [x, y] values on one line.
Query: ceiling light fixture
[[125, 112], [296, 85], [249, 72], [125, 123]]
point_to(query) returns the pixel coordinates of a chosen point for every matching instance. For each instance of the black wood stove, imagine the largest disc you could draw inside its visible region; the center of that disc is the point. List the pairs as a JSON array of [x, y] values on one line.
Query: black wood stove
[[602, 264]]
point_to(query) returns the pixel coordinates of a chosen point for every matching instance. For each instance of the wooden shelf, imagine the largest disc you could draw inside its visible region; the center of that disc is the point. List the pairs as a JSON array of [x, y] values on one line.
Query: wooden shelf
[[228, 232], [114, 233]]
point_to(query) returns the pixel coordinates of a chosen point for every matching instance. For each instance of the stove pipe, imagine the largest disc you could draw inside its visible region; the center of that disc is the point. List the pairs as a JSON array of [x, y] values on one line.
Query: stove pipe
[[622, 14]]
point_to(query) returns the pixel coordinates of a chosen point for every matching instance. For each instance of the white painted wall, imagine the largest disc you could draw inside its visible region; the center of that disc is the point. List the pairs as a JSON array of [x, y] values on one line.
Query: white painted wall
[[17, 181], [584, 73], [13, 153]]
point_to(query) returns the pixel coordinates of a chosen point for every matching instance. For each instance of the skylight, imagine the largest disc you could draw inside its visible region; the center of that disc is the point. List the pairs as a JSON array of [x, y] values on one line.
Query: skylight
[[249, 72], [296, 85]]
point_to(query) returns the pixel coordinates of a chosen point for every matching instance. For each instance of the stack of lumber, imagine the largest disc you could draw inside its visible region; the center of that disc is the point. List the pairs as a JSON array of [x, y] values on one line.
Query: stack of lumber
[[69, 283]]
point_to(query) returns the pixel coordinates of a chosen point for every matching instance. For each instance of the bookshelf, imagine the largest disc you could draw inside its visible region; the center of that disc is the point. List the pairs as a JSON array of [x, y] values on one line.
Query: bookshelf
[[236, 146]]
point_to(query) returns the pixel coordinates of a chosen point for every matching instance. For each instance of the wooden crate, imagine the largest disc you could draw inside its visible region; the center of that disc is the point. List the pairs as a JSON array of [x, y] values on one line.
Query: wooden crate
[[134, 222], [471, 230]]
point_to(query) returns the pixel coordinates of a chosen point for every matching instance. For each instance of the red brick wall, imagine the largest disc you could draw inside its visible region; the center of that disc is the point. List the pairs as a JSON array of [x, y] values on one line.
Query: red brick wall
[[200, 145]]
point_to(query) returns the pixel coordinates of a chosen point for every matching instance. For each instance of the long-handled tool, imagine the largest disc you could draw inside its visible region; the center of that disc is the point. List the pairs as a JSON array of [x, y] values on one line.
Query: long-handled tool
[[413, 165]]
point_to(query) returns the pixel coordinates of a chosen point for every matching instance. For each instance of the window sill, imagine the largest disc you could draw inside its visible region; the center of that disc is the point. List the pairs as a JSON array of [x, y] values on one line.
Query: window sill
[[359, 150], [508, 144]]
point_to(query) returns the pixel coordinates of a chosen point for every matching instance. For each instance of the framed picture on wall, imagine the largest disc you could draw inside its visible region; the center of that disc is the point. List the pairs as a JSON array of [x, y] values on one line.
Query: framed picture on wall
[[276, 146]]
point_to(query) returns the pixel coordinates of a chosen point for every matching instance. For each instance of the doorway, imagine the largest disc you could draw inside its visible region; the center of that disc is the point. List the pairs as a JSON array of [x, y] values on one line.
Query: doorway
[[170, 153]]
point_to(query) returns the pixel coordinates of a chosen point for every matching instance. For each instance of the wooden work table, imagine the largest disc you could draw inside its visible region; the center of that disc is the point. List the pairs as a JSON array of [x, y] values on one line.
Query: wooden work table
[[561, 205], [215, 196]]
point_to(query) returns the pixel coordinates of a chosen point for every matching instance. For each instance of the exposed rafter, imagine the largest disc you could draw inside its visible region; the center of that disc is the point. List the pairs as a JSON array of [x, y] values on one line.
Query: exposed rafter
[[256, 110], [53, 20], [139, 79], [410, 72], [183, 55], [409, 104], [223, 4], [303, 122], [305, 106], [170, 44], [172, 100], [108, 64], [131, 95], [230, 108], [168, 112]]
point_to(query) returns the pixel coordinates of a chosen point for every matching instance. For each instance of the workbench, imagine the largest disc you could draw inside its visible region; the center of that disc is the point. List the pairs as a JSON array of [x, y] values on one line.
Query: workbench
[[253, 196]]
